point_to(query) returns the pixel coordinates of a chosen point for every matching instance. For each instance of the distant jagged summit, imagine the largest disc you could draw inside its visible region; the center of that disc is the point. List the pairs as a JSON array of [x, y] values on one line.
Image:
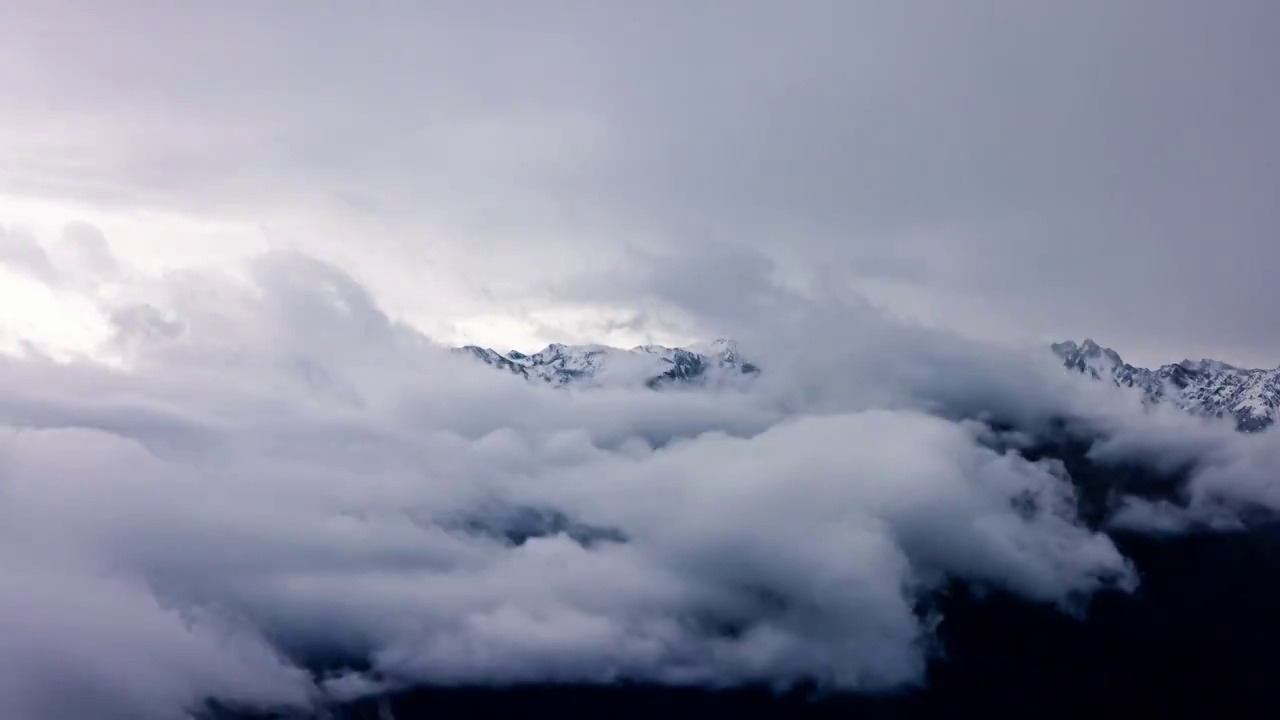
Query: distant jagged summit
[[655, 366], [1206, 387], [1089, 357], [1251, 397]]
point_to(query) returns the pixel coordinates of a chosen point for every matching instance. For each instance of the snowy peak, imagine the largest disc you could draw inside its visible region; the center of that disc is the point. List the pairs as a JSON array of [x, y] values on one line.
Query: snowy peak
[[1089, 357], [655, 366], [1205, 387]]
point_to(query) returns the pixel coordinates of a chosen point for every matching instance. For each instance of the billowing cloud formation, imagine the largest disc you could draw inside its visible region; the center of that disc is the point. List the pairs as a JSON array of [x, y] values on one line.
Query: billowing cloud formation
[[275, 478]]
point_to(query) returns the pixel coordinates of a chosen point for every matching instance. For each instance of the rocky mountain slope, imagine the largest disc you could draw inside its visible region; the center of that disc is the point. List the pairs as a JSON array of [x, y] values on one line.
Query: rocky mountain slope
[[1251, 397]]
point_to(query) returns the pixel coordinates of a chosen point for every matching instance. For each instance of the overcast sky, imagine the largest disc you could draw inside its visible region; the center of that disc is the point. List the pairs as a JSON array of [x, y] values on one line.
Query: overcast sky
[[515, 173]]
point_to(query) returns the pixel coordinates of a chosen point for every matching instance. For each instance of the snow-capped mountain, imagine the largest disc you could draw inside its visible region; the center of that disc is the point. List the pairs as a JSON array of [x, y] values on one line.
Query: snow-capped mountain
[[1209, 387], [1251, 397], [716, 363]]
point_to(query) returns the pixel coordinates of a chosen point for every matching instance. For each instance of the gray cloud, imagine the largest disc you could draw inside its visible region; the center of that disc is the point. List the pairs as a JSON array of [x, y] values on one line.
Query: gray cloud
[[22, 252], [1014, 171], [280, 474]]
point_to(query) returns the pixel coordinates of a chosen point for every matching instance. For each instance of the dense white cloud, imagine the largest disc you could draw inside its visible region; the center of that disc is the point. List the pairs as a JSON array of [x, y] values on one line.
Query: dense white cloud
[[273, 472]]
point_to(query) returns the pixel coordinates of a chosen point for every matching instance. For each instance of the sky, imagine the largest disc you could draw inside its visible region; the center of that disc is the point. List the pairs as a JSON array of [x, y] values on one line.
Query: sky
[[1016, 172]]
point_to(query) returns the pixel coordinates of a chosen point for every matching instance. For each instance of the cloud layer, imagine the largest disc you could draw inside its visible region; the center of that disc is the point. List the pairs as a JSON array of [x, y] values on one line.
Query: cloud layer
[[276, 495]]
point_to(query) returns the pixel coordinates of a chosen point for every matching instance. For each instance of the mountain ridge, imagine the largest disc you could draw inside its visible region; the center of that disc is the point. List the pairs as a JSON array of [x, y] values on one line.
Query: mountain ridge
[[1206, 387], [1249, 396], [716, 363]]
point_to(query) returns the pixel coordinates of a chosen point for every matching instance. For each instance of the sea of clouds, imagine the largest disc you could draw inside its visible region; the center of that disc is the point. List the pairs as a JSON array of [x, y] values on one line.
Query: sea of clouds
[[266, 491]]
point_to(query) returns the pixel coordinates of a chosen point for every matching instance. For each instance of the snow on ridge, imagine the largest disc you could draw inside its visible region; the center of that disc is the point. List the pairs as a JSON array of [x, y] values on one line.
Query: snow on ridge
[[716, 364], [1251, 397]]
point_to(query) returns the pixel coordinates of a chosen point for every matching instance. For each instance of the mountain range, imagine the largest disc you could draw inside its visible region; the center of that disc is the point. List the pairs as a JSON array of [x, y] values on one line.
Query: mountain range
[[655, 366], [1250, 397]]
